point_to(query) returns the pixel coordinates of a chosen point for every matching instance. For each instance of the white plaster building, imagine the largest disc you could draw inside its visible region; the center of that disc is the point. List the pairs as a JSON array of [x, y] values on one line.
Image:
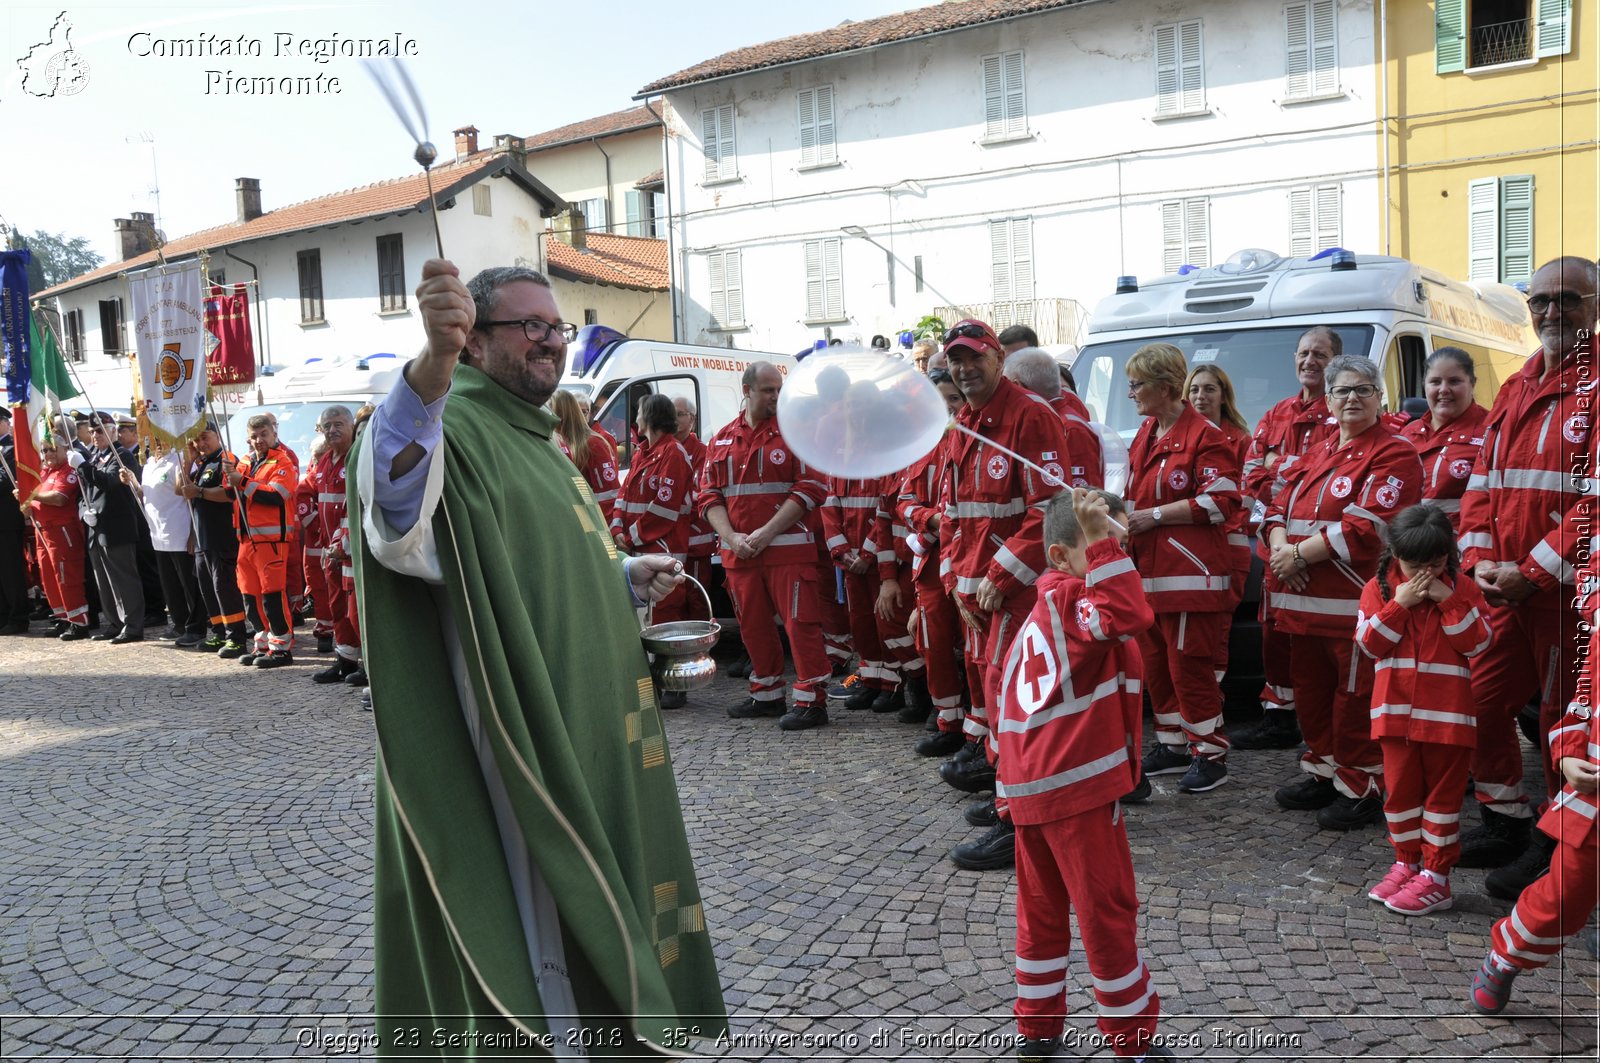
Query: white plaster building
[[331, 277], [1010, 158]]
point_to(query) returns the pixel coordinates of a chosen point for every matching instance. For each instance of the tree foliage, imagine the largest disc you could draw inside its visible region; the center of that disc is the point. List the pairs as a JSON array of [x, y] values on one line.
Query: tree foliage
[[55, 257]]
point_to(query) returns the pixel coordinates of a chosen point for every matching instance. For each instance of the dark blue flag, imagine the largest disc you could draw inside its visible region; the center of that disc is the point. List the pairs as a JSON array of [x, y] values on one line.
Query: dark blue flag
[[14, 325]]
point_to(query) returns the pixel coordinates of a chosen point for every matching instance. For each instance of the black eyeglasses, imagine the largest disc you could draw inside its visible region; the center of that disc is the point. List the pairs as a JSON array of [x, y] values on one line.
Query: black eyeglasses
[[1566, 301], [1360, 391], [538, 331], [967, 332]]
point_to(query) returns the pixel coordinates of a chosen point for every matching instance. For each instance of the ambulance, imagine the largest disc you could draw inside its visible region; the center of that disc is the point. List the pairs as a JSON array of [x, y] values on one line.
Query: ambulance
[[616, 373], [1247, 315], [297, 395]]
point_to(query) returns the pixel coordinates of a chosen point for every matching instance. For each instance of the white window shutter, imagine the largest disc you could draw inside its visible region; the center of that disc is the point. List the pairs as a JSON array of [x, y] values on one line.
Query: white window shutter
[[832, 280], [719, 290], [1297, 54], [1324, 47], [1516, 228], [1000, 261], [1022, 270], [658, 215], [826, 151], [1302, 238], [733, 280], [1171, 236], [1167, 97], [806, 103], [1483, 229], [727, 157], [1192, 66], [1016, 104], [710, 142], [634, 199], [814, 281], [994, 96], [1197, 231], [1552, 33], [1329, 216]]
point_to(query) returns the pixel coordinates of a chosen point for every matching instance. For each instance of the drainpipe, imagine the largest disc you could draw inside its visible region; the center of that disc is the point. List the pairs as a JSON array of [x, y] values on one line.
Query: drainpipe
[[261, 309], [610, 205], [1383, 48]]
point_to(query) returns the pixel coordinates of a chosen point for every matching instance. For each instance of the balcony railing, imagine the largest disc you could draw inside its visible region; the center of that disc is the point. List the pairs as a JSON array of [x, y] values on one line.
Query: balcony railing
[[1502, 42]]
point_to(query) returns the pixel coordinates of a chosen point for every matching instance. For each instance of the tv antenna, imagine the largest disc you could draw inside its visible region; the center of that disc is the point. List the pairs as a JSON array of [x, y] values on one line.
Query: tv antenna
[[154, 191]]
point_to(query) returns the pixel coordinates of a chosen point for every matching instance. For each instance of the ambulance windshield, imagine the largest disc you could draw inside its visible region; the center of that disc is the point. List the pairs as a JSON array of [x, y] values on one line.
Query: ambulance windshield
[[1259, 362]]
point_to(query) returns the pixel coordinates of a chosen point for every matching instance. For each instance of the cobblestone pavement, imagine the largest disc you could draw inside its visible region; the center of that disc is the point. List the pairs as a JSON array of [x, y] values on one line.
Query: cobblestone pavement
[[185, 873]]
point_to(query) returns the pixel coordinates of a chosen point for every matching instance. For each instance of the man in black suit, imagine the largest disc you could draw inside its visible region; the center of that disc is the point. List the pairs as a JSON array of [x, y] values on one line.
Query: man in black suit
[[111, 516], [14, 604]]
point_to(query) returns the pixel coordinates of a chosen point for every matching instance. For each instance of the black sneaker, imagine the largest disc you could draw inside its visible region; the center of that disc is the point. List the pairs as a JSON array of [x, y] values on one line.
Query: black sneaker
[[750, 709], [883, 702], [1038, 1049], [249, 658], [74, 632], [1348, 813], [1203, 774], [941, 744], [1165, 760], [673, 699], [169, 633], [981, 813], [335, 672], [997, 848], [275, 659], [1507, 883], [231, 649], [859, 696], [186, 641], [1309, 794], [357, 678], [1500, 840], [973, 774], [1277, 729], [1140, 793], [324, 643], [213, 643], [803, 719]]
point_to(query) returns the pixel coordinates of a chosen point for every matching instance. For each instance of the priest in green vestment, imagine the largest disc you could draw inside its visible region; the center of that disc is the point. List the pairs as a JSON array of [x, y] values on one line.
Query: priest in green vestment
[[534, 890]]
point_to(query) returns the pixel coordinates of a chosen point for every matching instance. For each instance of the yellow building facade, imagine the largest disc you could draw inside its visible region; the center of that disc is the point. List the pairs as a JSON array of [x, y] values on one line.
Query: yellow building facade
[[1489, 149]]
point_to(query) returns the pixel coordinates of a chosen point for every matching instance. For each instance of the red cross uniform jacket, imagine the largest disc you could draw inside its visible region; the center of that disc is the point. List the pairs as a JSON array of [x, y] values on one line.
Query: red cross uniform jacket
[[702, 538], [306, 512], [1186, 567], [327, 476], [1520, 505], [915, 506], [1071, 692], [1570, 819], [994, 513], [1422, 690], [59, 479], [1240, 529], [656, 505], [601, 472], [1291, 429], [752, 472], [850, 517], [1344, 495], [1448, 455], [1086, 465]]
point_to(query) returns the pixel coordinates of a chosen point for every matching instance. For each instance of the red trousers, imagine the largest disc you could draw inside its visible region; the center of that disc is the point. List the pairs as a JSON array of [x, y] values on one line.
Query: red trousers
[[1278, 693], [321, 599], [295, 574], [986, 657], [939, 638], [342, 604], [61, 558], [1532, 652], [832, 616], [1552, 908], [1333, 700], [897, 640], [263, 573], [1425, 783], [880, 665], [1180, 651], [788, 592], [1081, 862]]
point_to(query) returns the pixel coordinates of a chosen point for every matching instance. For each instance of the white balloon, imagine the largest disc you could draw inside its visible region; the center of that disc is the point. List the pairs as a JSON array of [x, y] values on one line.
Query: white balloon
[[857, 414], [1114, 450]]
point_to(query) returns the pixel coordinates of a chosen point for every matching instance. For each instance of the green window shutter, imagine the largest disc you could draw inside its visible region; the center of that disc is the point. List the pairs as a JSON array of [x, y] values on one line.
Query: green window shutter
[[1552, 28], [635, 214], [1516, 228], [1449, 36]]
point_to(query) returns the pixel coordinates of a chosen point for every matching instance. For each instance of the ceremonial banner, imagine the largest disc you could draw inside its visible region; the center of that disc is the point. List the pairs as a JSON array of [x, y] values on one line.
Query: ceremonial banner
[[170, 337], [230, 355], [31, 423], [14, 323]]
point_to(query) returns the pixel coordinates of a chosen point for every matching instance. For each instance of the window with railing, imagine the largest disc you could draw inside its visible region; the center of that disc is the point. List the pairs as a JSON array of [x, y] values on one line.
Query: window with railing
[[1505, 40], [1470, 34]]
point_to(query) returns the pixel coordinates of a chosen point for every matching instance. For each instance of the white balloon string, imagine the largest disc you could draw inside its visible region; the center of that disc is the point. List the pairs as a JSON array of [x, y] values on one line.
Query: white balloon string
[[985, 440]]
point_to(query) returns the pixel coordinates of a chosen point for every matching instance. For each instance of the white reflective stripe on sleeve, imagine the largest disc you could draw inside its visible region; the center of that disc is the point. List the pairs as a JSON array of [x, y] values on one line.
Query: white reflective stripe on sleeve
[[1582, 806], [1551, 562], [1476, 541], [1209, 504], [967, 584], [661, 511], [1466, 622], [836, 541], [791, 539], [1013, 564], [1101, 573], [1553, 481]]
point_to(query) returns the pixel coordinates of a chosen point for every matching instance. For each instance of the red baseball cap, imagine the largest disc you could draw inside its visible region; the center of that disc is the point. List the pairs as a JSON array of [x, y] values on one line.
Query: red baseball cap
[[974, 334]]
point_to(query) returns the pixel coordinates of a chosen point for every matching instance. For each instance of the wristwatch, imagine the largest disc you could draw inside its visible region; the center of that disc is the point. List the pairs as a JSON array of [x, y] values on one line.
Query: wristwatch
[[1155, 514]]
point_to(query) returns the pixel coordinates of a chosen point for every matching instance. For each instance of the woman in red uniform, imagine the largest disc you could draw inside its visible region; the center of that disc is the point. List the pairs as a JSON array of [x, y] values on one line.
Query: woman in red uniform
[[1183, 490], [1449, 437], [588, 450], [1325, 529], [54, 508], [1211, 394]]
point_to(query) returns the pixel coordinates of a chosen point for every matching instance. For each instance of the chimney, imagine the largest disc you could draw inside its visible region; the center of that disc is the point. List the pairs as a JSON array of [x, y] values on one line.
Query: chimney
[[466, 141], [247, 194], [516, 147], [569, 228], [134, 234]]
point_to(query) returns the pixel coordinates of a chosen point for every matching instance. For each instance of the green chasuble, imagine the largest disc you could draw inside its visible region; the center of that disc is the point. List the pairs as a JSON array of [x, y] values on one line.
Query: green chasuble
[[543, 748]]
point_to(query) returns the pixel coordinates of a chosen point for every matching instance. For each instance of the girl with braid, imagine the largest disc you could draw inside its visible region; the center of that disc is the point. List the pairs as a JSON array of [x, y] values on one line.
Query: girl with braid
[[1421, 621]]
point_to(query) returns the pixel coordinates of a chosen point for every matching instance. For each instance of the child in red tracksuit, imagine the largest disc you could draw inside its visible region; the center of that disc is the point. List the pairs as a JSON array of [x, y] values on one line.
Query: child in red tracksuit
[[1422, 621], [1069, 731]]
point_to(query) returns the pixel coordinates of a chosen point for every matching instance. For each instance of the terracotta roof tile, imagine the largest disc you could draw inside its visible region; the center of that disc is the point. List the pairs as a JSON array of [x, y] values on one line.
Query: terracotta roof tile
[[634, 262], [396, 196], [628, 121], [853, 36], [651, 180]]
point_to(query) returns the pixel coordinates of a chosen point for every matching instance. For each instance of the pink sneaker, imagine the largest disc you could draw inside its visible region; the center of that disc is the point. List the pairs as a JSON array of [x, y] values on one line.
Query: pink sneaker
[[1420, 896], [1399, 874]]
